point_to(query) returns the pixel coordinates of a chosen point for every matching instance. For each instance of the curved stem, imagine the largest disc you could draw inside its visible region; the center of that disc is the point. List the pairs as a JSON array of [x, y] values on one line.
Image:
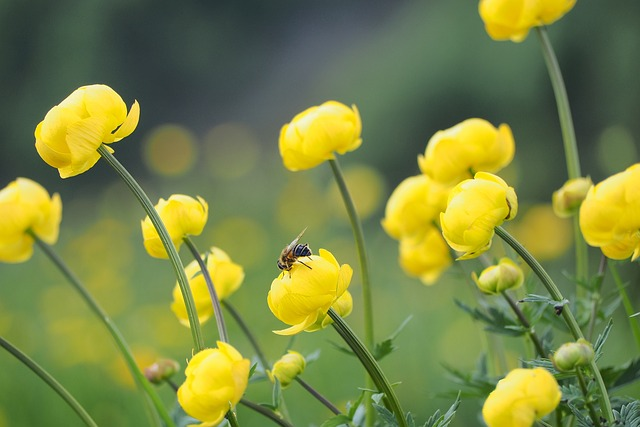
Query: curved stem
[[626, 302], [176, 262], [318, 396], [247, 332], [50, 381], [525, 322], [370, 364], [356, 227], [231, 417], [583, 386], [569, 319], [266, 412], [117, 336], [217, 311]]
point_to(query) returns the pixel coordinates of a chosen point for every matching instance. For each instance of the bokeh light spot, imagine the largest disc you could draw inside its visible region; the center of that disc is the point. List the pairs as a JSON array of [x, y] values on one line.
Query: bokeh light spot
[[231, 150], [170, 150], [544, 234], [616, 149], [367, 188], [242, 238]]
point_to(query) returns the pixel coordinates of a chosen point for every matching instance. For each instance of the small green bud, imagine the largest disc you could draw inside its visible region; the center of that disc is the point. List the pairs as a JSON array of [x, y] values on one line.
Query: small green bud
[[161, 370], [287, 368], [573, 354], [500, 277], [567, 200]]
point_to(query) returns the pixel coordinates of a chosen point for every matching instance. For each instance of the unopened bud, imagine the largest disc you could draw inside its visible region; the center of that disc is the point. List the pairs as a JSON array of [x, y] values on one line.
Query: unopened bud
[[287, 368], [161, 370], [567, 200], [573, 354], [500, 277]]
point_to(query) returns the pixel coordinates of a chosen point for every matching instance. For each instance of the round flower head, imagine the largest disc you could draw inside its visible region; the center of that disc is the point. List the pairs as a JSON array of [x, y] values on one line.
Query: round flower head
[[609, 215], [474, 209], [425, 255], [302, 296], [520, 398], [498, 278], [567, 200], [25, 206], [71, 133], [573, 354], [471, 146], [287, 368], [226, 275], [314, 135], [182, 216], [216, 378]]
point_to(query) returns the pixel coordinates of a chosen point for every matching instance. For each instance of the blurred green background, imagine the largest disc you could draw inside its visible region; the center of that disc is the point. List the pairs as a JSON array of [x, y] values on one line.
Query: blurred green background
[[216, 81]]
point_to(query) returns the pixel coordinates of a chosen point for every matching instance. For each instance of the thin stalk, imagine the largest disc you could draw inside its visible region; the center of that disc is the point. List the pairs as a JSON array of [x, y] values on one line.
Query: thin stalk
[[266, 412], [583, 386], [626, 302], [117, 336], [217, 310], [596, 297], [318, 396], [247, 332], [370, 364], [356, 227], [231, 417], [567, 315], [525, 323], [176, 262], [50, 381]]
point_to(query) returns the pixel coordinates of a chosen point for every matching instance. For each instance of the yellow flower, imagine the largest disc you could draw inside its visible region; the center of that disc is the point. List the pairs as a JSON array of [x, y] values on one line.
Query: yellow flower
[[71, 133], [520, 398], [26, 206], [315, 134], [216, 379], [573, 354], [414, 206], [425, 255], [609, 215], [182, 216], [287, 368], [567, 200], [500, 277], [474, 209], [471, 146], [512, 19], [303, 295], [226, 275], [342, 306]]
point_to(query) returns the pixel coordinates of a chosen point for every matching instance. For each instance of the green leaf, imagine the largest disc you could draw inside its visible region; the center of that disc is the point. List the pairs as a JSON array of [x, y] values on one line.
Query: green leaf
[[602, 338], [478, 385], [629, 415], [385, 416], [342, 349], [338, 420], [386, 347], [495, 319], [353, 407], [557, 305], [276, 396], [437, 420], [618, 376]]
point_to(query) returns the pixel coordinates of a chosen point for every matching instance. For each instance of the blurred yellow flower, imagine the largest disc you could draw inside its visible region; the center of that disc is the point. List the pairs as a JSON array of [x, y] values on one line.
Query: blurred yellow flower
[[498, 278], [71, 133], [609, 215], [567, 200], [521, 398], [303, 295], [541, 231], [226, 275], [26, 206], [471, 146], [512, 19], [474, 209], [287, 368], [216, 380], [182, 216], [425, 255], [314, 135]]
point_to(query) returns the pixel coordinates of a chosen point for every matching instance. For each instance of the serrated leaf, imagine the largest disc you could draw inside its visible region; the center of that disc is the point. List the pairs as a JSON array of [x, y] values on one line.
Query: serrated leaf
[[353, 407], [385, 416], [410, 421], [629, 415], [618, 376], [437, 420], [338, 420], [602, 338], [342, 349], [496, 320], [480, 385], [386, 347]]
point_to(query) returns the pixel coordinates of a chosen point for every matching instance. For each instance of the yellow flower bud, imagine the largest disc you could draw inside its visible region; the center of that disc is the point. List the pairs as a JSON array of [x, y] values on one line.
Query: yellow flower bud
[[414, 206], [512, 19], [471, 146], [474, 209], [216, 379], [573, 354], [500, 277], [26, 206], [226, 275], [609, 215], [315, 134], [425, 255], [182, 216], [71, 133], [520, 398], [567, 200], [161, 370], [303, 295], [287, 368]]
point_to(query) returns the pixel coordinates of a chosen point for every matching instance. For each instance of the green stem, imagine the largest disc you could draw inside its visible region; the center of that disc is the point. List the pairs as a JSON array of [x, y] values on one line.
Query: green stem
[[266, 412], [318, 396], [356, 227], [596, 297], [626, 302], [525, 323], [583, 386], [50, 381], [569, 319], [370, 364], [117, 336], [176, 262], [217, 310], [231, 417], [247, 332]]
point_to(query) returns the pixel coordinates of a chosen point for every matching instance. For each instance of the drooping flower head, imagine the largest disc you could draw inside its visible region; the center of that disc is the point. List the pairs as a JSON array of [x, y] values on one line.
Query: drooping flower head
[[302, 296], [226, 276], [609, 215], [316, 134], [521, 398], [182, 216], [71, 133], [497, 278], [287, 368], [425, 255], [471, 146], [26, 206], [216, 380], [474, 209]]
